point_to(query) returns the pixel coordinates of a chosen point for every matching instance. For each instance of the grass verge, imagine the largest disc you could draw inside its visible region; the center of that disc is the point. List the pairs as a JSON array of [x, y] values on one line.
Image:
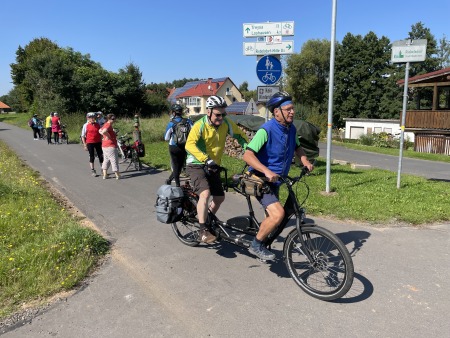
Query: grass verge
[[370, 196], [43, 249], [360, 195], [395, 152]]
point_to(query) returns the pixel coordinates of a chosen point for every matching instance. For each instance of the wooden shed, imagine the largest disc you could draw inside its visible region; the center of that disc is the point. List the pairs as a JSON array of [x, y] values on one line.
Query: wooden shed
[[4, 108], [430, 123]]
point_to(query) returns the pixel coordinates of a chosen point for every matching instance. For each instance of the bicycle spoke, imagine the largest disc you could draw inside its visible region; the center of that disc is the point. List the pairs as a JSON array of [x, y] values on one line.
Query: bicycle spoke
[[318, 264]]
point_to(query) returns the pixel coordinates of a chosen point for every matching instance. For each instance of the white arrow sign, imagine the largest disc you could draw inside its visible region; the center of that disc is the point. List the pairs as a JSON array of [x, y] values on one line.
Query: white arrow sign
[[253, 30], [261, 48]]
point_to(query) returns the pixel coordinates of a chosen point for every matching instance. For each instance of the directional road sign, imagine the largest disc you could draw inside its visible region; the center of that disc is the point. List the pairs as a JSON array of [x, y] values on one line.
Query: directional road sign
[[266, 92], [268, 69], [253, 30], [261, 48], [409, 51]]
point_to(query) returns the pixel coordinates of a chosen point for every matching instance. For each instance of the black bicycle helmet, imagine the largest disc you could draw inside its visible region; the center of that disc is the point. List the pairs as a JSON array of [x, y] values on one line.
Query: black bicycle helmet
[[176, 108], [277, 99], [215, 102]]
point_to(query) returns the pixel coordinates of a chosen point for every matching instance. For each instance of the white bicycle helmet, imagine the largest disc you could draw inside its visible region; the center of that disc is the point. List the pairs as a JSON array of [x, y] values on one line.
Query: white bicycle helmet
[[215, 101]]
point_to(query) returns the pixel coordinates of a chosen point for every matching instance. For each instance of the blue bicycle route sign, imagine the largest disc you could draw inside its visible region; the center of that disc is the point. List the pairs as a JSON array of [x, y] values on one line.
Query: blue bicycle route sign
[[268, 69]]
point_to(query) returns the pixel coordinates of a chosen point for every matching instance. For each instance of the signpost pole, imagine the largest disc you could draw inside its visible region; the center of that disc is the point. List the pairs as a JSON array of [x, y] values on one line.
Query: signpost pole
[[402, 125], [330, 97]]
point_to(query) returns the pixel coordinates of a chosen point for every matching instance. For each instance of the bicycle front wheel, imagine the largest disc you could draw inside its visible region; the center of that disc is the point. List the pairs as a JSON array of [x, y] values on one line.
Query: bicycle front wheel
[[329, 275], [187, 228]]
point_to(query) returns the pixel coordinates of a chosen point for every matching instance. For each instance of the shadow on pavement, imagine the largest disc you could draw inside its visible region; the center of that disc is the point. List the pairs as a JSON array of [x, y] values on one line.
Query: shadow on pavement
[[361, 289]]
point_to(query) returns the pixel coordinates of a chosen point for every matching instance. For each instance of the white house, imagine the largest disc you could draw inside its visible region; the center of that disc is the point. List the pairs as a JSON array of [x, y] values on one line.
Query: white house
[[355, 127]]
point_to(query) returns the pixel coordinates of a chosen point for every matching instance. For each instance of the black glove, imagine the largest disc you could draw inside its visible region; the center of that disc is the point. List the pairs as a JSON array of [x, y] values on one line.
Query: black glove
[[211, 165]]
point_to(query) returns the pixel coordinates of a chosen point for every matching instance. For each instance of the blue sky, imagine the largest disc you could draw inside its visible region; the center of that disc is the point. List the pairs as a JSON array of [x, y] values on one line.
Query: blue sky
[[174, 39]]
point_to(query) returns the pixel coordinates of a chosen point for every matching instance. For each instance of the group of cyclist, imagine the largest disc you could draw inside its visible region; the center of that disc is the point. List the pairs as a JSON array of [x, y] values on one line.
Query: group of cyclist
[[98, 136], [269, 154], [53, 127]]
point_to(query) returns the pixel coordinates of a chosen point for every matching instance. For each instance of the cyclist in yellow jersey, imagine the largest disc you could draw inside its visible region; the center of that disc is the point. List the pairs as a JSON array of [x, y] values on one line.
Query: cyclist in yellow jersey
[[48, 127], [205, 146]]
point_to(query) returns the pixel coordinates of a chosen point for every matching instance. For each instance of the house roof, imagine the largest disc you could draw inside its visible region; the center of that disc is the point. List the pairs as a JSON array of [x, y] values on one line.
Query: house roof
[[197, 88], [436, 76], [202, 89], [237, 107], [4, 106], [241, 108]]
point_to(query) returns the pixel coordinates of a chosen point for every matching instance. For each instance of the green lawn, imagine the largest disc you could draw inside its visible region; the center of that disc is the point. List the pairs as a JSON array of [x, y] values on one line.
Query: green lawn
[[43, 249]]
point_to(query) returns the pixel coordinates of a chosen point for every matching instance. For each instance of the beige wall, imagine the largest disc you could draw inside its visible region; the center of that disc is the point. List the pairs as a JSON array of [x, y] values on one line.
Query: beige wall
[[228, 96]]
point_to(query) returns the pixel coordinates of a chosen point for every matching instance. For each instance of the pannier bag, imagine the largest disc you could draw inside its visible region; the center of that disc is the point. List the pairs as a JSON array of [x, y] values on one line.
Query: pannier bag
[[252, 185], [140, 148], [168, 204]]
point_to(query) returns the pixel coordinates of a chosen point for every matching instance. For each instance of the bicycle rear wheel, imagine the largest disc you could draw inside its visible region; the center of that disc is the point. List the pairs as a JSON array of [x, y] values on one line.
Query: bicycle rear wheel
[[186, 229], [329, 275], [136, 160]]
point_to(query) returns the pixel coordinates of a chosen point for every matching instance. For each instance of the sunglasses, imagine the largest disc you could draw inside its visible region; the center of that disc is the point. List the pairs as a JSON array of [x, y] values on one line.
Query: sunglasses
[[220, 115], [113, 118]]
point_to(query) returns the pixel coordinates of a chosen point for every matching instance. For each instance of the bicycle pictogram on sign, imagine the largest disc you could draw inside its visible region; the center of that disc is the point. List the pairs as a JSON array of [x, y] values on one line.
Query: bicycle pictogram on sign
[[268, 69]]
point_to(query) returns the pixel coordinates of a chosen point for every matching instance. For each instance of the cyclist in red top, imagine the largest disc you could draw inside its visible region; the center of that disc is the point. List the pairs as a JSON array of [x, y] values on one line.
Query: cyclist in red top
[[56, 127], [92, 141], [109, 147]]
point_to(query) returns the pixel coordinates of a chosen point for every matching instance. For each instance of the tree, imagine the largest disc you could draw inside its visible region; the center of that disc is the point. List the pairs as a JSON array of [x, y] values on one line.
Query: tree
[[362, 69], [95, 87], [24, 66], [423, 97], [246, 93], [129, 90], [49, 78], [307, 73], [431, 63], [443, 52]]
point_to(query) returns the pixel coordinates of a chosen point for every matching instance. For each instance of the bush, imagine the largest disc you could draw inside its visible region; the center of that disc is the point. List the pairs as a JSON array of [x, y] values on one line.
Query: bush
[[383, 140]]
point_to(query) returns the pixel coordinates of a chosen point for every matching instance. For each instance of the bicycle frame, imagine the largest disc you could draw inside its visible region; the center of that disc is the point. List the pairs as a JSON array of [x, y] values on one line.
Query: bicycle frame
[[316, 258], [291, 208], [128, 151]]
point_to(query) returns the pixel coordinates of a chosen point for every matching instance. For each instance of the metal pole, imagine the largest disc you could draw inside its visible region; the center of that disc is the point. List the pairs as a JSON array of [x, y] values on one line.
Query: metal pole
[[330, 96], [402, 125]]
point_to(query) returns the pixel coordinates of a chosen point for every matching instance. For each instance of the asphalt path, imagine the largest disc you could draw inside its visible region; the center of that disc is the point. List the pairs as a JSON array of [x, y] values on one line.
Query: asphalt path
[[439, 171], [153, 286]]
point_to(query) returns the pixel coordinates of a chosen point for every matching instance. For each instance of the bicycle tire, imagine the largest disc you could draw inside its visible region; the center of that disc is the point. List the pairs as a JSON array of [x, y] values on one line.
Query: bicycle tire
[[135, 159], [186, 229], [330, 276]]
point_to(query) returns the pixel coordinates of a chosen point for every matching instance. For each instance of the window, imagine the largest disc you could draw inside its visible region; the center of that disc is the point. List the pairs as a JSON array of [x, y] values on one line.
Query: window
[[444, 98], [377, 130], [193, 101]]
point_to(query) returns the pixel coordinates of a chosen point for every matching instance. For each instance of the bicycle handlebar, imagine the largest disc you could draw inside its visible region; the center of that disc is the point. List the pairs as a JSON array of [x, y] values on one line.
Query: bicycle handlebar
[[287, 179], [124, 137], [293, 180]]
